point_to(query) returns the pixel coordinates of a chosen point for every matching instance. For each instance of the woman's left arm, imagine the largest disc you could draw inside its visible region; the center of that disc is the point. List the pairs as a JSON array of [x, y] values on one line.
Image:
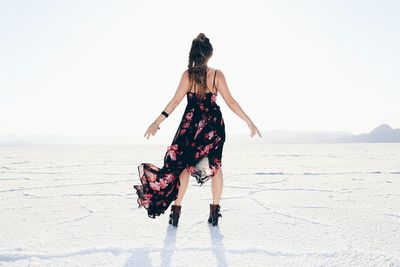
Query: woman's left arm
[[172, 104]]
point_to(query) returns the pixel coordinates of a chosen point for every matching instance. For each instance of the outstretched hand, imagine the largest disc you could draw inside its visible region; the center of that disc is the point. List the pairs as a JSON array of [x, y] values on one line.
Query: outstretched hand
[[152, 130], [253, 129]]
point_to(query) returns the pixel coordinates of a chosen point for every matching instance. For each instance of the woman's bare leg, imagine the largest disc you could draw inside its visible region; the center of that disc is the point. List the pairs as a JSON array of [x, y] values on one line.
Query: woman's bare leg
[[184, 181], [216, 186]]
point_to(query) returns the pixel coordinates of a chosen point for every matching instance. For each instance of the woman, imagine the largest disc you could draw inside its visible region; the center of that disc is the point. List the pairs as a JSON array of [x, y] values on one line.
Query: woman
[[196, 149]]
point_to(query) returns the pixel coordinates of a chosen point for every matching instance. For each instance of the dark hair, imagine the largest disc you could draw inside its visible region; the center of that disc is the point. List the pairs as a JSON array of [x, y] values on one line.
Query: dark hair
[[199, 54]]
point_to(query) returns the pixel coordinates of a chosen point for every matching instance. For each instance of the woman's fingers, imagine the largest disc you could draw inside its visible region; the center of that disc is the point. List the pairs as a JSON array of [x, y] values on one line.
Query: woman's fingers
[[147, 133], [254, 131]]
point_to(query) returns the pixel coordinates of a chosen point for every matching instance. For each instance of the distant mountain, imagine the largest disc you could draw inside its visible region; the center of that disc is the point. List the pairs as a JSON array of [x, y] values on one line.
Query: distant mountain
[[381, 134]]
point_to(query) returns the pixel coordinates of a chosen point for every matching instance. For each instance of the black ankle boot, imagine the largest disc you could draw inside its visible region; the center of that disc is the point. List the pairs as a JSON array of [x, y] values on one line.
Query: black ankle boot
[[214, 214], [174, 215]]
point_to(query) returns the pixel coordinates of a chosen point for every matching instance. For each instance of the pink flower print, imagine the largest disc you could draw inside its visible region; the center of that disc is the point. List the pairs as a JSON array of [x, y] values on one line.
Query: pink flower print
[[172, 151], [168, 178], [210, 134], [201, 124], [207, 149], [189, 116], [152, 177], [168, 193], [199, 127], [191, 169], [144, 203], [200, 151], [214, 98], [204, 150], [186, 125], [182, 131], [197, 155], [217, 140], [163, 184], [217, 162], [155, 186]]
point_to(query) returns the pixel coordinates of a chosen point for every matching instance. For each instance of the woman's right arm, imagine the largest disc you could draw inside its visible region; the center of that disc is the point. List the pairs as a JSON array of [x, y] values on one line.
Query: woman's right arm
[[223, 88]]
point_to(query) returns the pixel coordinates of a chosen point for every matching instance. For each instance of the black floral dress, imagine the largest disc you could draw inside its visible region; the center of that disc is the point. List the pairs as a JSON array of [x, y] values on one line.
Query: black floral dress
[[196, 147]]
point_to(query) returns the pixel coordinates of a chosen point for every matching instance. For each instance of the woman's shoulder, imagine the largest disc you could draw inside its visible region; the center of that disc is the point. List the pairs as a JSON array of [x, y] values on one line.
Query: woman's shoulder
[[215, 70], [219, 75]]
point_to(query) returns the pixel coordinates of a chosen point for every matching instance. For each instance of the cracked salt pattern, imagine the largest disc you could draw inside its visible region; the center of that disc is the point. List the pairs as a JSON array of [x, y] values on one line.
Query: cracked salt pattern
[[282, 205]]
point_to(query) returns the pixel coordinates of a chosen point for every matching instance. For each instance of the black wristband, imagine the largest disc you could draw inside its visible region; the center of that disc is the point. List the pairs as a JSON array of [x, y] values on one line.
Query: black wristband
[[165, 114]]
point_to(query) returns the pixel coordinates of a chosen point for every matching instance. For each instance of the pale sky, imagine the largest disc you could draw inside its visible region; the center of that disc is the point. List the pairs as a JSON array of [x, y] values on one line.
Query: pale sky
[[110, 67]]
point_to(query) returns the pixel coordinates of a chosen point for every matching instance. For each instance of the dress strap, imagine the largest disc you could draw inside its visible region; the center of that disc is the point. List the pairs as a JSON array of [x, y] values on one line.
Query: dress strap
[[191, 86], [215, 73]]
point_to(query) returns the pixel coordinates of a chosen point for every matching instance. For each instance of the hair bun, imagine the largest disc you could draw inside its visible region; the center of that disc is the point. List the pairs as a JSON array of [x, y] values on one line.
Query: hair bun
[[201, 37]]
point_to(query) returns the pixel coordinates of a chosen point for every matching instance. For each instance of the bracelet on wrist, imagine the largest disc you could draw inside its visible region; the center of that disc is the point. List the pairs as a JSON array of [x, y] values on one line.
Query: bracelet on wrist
[[165, 114]]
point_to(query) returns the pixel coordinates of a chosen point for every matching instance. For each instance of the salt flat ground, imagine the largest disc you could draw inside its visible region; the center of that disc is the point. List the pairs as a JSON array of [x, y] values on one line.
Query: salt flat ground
[[282, 205]]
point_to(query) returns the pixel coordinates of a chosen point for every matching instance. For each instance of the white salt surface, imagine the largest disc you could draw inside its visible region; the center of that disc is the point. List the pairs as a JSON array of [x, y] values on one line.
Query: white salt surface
[[282, 205]]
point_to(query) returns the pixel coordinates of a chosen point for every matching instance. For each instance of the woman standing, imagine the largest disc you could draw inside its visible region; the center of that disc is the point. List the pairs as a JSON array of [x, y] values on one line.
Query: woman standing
[[196, 149]]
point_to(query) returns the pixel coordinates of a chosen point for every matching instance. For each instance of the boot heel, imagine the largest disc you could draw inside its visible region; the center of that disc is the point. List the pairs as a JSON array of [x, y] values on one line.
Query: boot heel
[[214, 214], [174, 215]]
